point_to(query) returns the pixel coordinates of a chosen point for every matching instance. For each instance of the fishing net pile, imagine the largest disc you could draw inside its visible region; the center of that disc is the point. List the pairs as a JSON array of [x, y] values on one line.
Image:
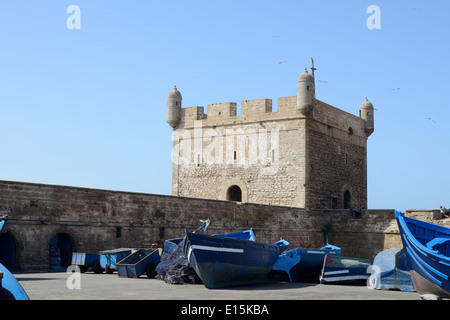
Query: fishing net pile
[[174, 267]]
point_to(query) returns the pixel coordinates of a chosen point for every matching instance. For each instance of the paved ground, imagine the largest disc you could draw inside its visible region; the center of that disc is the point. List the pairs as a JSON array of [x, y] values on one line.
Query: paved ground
[[63, 286]]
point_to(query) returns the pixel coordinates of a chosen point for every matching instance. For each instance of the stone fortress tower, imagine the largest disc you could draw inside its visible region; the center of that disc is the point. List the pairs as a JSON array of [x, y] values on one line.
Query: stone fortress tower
[[308, 154]]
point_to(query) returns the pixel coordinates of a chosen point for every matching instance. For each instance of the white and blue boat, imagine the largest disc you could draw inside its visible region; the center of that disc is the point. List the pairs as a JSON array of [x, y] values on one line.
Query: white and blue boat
[[10, 288], [171, 245], [345, 270], [427, 248], [390, 271], [173, 260], [303, 265], [222, 261]]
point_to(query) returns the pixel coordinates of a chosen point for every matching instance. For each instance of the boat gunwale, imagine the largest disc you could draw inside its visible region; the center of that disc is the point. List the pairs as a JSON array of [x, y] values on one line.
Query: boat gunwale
[[249, 243], [229, 235], [425, 267], [413, 240]]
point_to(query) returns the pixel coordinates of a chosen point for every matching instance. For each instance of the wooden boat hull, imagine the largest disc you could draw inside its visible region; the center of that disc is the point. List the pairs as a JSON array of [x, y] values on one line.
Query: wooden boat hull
[[426, 287], [338, 269], [427, 248], [304, 265], [173, 261], [391, 271], [10, 283], [224, 262]]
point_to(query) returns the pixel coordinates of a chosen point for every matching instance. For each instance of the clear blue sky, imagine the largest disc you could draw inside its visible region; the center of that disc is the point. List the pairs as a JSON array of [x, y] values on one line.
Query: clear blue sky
[[87, 107]]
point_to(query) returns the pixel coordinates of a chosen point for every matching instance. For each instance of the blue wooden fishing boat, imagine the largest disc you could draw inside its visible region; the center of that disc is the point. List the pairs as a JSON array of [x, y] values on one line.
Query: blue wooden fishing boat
[[224, 261], [427, 248], [390, 271], [283, 245], [173, 259], [10, 288], [303, 265], [345, 270]]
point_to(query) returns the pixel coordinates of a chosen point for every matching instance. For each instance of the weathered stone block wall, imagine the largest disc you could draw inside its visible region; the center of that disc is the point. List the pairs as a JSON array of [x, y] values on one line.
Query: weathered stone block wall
[[365, 235], [267, 159], [91, 218], [336, 159], [335, 166]]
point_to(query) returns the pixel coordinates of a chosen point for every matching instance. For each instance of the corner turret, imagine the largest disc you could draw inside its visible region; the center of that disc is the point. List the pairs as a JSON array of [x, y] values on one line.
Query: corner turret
[[366, 112], [174, 107], [305, 93]]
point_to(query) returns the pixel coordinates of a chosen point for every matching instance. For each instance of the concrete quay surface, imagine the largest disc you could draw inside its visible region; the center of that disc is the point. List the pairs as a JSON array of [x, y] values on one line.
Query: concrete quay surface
[[90, 286]]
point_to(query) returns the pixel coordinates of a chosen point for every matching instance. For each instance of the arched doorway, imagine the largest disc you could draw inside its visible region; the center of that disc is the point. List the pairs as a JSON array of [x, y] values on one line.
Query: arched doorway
[[234, 190], [7, 251], [234, 193], [347, 200], [60, 251]]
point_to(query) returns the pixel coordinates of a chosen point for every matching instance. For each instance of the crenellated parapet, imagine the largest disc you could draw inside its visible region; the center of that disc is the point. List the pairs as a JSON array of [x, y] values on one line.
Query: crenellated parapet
[[259, 111], [250, 111], [302, 106]]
